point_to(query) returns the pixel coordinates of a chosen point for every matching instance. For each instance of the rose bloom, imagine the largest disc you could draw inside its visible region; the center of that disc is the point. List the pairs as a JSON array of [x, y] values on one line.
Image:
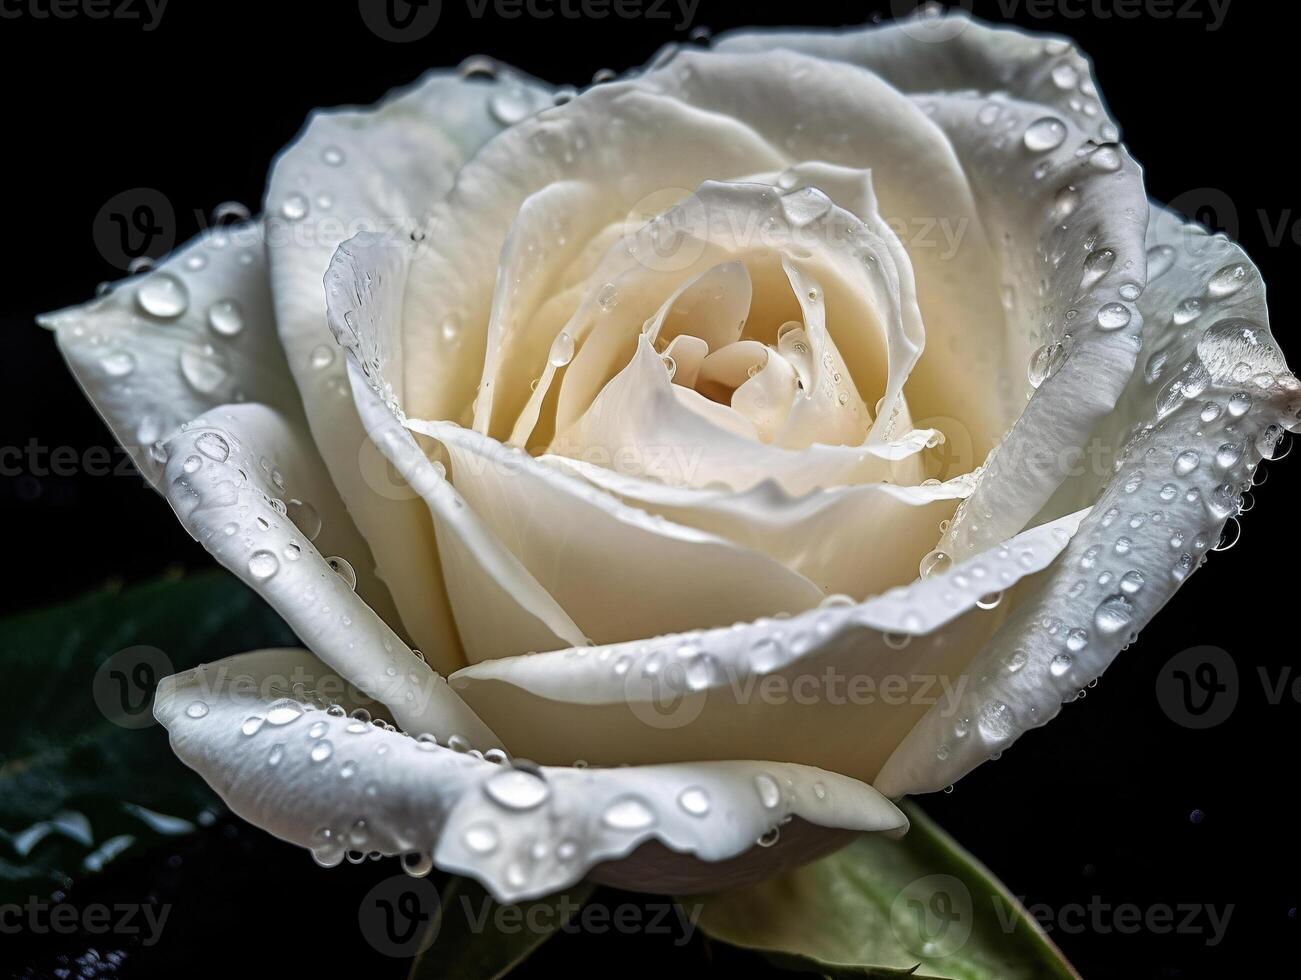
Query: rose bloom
[[664, 477]]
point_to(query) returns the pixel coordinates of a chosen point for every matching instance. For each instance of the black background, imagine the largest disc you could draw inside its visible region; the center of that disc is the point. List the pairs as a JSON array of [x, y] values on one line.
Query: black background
[[1097, 808]]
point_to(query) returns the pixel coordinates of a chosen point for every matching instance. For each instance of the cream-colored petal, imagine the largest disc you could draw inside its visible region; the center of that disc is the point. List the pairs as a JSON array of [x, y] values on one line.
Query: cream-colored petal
[[380, 169], [1189, 435], [196, 332], [314, 776], [856, 540], [228, 476], [499, 607], [619, 572], [836, 688]]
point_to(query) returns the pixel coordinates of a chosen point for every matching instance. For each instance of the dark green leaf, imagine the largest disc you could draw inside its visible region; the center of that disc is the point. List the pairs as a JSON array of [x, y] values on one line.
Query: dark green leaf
[[85, 774], [886, 908], [477, 937]]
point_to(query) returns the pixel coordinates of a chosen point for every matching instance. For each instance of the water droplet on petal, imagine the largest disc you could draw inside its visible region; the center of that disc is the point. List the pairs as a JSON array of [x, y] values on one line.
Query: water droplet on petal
[[628, 813], [164, 296], [1045, 134], [225, 318]]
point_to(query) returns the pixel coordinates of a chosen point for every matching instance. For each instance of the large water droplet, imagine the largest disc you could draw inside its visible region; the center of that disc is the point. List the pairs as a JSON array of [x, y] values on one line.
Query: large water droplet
[[163, 296], [1227, 281], [694, 800], [1044, 134], [562, 349], [205, 368], [995, 721], [1114, 614], [343, 570], [516, 789], [768, 790], [1096, 265], [1186, 462], [225, 317], [263, 564], [628, 813], [1113, 316]]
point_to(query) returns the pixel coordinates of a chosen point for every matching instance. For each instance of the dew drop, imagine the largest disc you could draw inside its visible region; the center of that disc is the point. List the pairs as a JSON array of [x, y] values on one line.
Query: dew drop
[[628, 813], [1114, 614], [562, 349], [214, 446], [164, 296], [343, 570], [1227, 281], [262, 565], [482, 838], [768, 790], [225, 318], [516, 789], [1113, 316], [935, 563], [694, 800], [1044, 134]]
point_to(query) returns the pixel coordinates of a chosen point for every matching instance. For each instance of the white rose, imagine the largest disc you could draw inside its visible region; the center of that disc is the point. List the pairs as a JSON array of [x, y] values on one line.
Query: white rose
[[744, 310]]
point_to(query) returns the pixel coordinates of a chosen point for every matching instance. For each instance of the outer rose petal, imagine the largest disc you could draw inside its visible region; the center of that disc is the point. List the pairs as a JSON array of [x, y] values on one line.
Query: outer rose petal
[[222, 474], [380, 168], [147, 374], [329, 782], [1190, 432], [955, 52], [788, 689]]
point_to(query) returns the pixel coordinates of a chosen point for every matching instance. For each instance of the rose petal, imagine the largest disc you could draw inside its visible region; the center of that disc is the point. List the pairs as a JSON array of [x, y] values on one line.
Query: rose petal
[[497, 603], [331, 783], [952, 52], [1063, 207], [639, 425], [654, 575], [380, 168], [856, 540], [210, 340], [787, 689], [1191, 430], [227, 475]]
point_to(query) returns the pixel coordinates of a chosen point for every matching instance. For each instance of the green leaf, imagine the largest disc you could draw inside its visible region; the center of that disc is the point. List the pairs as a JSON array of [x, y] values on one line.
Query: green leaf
[[85, 773], [478, 937], [920, 906]]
